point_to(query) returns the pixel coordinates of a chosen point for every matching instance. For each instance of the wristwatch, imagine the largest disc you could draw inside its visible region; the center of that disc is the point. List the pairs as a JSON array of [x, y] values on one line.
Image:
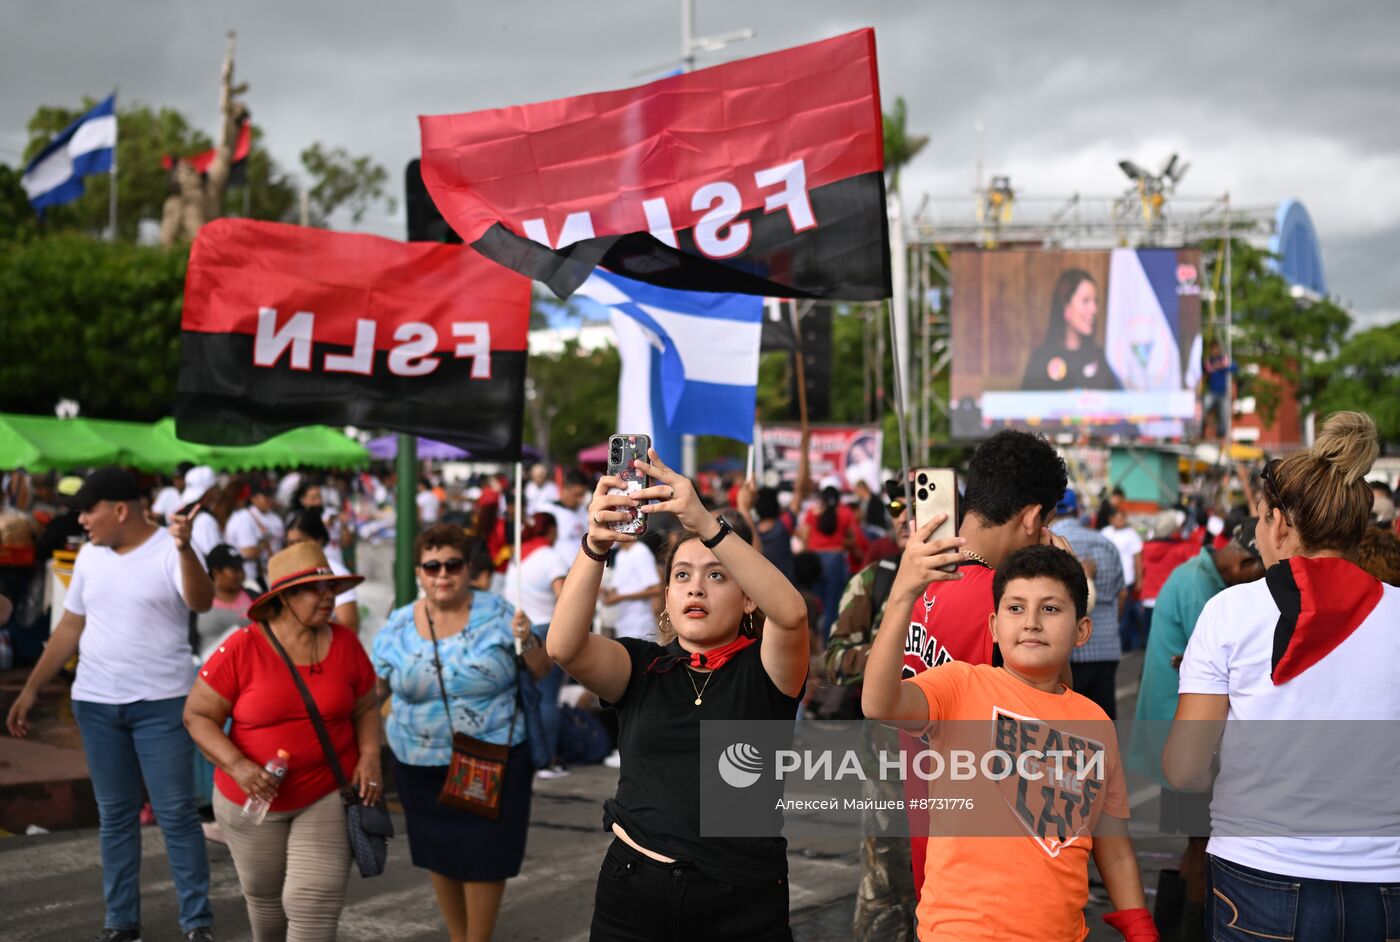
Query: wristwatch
[[724, 530]]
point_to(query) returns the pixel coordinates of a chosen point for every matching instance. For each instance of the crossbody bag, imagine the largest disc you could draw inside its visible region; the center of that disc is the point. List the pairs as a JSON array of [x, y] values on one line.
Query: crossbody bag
[[369, 827], [476, 775]]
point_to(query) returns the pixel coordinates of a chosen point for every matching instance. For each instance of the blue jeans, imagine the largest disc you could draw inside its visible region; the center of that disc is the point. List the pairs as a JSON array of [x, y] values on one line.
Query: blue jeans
[[835, 574], [1247, 904], [1131, 623], [125, 745], [550, 717]]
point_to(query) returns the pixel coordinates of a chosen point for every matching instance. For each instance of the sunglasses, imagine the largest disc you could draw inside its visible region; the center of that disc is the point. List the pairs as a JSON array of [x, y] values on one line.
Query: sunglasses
[[1266, 477], [895, 507], [453, 566]]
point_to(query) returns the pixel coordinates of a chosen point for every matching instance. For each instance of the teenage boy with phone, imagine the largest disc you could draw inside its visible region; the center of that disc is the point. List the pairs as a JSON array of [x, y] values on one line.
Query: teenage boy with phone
[[1021, 887]]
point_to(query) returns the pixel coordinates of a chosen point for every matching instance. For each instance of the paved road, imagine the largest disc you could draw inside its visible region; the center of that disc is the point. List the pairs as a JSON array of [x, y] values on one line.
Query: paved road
[[51, 885]]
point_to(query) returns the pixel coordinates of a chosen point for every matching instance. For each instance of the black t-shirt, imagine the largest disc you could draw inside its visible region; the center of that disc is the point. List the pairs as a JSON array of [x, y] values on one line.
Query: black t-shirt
[[658, 793], [1056, 367]]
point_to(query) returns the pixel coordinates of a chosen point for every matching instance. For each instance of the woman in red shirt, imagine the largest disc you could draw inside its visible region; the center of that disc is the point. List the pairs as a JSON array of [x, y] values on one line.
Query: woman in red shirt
[[293, 865], [832, 532]]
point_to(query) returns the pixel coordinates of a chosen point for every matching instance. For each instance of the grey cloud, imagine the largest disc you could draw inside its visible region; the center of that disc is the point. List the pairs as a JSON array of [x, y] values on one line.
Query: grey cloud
[[1050, 80]]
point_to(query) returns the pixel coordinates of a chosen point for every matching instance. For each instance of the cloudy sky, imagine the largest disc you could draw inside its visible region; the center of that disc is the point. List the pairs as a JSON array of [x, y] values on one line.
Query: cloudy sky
[[1267, 100]]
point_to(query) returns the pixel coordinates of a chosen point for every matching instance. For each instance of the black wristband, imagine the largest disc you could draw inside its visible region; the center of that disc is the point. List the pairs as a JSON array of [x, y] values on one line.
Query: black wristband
[[724, 530], [588, 551]]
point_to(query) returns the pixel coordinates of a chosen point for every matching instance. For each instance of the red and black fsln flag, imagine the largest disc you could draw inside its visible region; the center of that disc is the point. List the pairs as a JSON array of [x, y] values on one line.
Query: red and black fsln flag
[[285, 326], [762, 176]]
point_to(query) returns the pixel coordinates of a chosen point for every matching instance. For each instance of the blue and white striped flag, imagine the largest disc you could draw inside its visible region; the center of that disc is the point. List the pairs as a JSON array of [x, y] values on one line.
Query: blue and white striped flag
[[85, 147], [689, 360]]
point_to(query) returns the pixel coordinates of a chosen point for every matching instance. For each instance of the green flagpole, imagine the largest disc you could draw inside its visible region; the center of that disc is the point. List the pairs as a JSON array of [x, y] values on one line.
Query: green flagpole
[[406, 520]]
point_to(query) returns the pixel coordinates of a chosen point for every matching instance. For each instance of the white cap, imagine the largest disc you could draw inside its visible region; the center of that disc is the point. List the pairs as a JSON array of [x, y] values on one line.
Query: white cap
[[198, 480]]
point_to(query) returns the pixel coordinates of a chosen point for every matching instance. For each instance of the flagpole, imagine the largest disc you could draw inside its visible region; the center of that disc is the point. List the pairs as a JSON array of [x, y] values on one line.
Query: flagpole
[[112, 175], [519, 510], [899, 404]]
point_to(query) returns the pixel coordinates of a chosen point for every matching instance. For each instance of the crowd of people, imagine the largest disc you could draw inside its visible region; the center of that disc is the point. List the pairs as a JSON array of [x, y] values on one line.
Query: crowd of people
[[216, 628]]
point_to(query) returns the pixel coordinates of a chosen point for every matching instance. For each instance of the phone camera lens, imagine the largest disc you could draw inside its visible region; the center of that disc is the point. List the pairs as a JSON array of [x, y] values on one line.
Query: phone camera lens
[[922, 494], [923, 479]]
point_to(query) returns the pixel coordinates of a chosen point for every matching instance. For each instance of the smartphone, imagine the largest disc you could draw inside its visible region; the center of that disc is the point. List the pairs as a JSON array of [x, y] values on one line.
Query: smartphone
[[622, 451], [936, 492]]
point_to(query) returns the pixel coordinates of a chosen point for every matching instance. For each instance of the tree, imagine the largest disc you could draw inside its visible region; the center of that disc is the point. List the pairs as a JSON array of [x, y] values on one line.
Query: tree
[[1365, 376], [90, 321], [900, 146], [343, 181], [17, 218], [144, 137], [1272, 328], [571, 399]]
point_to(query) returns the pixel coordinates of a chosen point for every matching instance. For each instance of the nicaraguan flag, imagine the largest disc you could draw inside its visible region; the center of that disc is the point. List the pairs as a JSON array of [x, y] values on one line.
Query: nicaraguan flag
[[689, 360], [84, 147], [1144, 319]]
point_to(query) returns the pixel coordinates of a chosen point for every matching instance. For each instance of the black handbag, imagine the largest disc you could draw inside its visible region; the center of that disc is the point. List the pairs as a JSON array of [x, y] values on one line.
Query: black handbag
[[369, 826]]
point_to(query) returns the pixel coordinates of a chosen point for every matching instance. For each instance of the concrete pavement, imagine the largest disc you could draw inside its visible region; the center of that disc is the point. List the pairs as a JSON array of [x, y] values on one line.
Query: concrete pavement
[[51, 885]]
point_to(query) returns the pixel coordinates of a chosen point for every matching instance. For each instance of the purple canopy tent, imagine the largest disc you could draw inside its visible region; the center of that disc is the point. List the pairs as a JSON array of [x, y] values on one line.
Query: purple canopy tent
[[386, 448]]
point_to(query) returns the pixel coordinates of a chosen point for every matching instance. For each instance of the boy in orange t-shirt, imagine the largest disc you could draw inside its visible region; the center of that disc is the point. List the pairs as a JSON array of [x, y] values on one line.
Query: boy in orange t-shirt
[[1032, 883]]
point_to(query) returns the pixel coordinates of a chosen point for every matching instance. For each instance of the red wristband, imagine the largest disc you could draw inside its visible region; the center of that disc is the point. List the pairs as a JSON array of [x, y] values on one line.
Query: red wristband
[[1136, 925]]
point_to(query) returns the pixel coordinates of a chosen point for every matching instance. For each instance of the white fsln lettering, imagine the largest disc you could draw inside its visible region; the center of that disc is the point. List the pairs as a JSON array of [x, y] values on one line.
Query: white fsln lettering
[[478, 346], [576, 228], [718, 232], [361, 359], [659, 221], [271, 341], [793, 196], [414, 354], [723, 204]]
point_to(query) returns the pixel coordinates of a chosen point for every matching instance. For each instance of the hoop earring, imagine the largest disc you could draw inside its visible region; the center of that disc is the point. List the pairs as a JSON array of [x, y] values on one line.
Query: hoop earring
[[746, 625], [663, 624]]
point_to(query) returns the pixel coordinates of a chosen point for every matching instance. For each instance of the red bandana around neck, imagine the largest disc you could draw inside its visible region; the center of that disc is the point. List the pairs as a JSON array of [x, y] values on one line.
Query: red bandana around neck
[[713, 660], [1321, 602]]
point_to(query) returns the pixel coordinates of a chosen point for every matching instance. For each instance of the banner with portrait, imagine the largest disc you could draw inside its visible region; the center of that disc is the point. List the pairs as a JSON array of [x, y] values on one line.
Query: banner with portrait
[[1107, 343]]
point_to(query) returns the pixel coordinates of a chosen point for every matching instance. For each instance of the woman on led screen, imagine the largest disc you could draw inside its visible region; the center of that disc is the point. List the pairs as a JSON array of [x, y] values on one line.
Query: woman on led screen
[[1070, 357]]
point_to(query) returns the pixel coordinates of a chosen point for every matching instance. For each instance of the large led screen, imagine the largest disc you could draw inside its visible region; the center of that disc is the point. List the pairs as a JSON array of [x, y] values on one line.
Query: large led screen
[[1102, 342]]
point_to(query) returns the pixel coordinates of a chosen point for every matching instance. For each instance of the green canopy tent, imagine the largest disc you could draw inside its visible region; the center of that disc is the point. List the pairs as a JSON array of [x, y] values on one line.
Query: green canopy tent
[[144, 447], [43, 443], [39, 443], [315, 446]]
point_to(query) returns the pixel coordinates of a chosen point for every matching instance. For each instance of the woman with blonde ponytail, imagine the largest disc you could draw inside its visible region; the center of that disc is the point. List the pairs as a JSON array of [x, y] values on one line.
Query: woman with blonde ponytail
[[1318, 639]]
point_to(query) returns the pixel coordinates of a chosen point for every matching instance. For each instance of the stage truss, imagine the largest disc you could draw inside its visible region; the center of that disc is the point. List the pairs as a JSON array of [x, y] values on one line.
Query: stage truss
[[938, 226]]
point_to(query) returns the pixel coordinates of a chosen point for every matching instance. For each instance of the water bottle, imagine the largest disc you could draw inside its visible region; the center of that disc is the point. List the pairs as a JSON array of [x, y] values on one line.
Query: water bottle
[[255, 809]]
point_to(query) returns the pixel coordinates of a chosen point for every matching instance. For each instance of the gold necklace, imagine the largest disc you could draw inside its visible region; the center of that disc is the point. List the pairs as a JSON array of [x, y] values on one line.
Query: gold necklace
[[976, 558], [699, 691]]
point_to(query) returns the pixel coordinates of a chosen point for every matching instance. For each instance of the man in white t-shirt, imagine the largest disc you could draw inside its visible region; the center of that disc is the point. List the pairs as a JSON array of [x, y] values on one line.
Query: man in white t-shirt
[[256, 531], [1129, 546], [429, 507], [539, 489], [127, 617], [168, 499], [206, 532], [571, 512], [635, 586]]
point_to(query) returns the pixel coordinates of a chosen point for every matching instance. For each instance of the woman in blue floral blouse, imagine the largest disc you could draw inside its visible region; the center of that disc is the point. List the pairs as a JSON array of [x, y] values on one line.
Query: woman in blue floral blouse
[[472, 635]]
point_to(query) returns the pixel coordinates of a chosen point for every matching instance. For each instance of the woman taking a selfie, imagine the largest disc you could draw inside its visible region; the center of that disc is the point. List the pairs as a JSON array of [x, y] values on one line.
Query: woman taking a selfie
[[660, 873]]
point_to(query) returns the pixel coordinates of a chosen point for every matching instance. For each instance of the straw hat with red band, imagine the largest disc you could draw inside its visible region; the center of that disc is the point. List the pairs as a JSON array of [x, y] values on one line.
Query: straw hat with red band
[[299, 564]]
